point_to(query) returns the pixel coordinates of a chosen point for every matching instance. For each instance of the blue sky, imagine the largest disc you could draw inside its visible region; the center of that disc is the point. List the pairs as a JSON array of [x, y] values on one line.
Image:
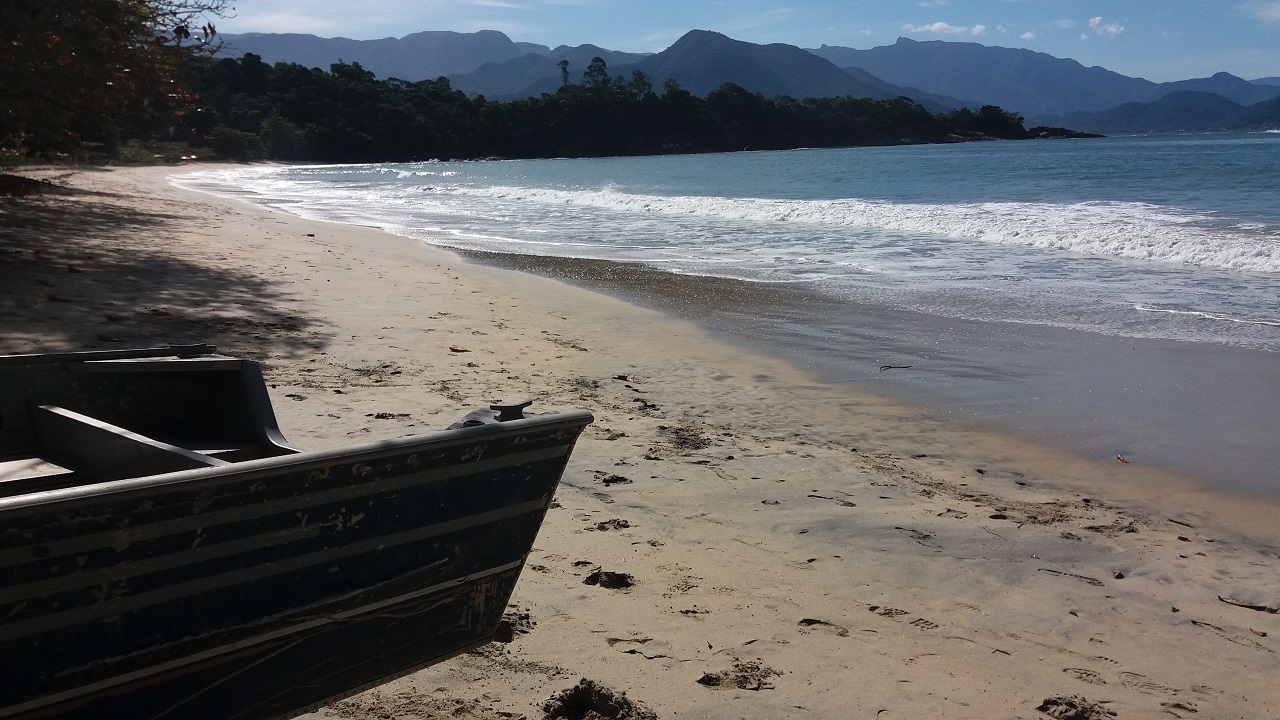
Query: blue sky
[[1157, 39]]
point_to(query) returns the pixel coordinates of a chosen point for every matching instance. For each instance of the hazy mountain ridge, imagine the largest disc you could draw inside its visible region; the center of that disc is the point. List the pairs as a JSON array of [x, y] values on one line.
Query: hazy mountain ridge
[[702, 61], [1229, 86], [1177, 111], [1038, 85], [941, 75], [1032, 83], [489, 63], [1181, 110], [419, 56], [516, 78]]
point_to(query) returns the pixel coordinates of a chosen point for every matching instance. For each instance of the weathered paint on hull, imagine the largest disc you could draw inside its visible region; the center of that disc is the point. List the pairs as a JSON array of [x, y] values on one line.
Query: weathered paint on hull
[[272, 586]]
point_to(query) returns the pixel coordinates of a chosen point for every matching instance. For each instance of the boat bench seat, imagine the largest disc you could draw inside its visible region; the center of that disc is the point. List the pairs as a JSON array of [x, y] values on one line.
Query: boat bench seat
[[106, 452], [107, 415]]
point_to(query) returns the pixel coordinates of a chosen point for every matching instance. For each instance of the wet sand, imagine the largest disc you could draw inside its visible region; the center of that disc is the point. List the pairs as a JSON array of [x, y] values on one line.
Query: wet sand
[[1200, 409], [797, 548]]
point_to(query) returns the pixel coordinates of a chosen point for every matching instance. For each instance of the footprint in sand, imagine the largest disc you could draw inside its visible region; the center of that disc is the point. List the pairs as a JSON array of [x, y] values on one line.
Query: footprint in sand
[[1143, 684], [685, 584], [1173, 707], [891, 613], [924, 624], [1243, 642], [1086, 676], [921, 537]]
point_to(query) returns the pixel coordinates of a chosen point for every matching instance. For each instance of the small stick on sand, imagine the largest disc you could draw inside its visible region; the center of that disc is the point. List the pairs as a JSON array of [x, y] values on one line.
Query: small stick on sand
[[1248, 605]]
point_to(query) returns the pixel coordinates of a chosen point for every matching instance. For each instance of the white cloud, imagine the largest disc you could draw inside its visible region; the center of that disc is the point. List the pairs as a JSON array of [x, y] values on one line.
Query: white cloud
[[499, 4], [1028, 36], [941, 28], [1268, 12], [286, 22], [1109, 29]]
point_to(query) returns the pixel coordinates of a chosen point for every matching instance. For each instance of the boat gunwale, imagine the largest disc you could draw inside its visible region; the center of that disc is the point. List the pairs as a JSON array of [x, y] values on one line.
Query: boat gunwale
[[265, 467]]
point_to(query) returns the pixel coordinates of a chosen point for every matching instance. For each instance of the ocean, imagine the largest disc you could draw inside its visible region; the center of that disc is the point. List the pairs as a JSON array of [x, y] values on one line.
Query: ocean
[[1117, 296]]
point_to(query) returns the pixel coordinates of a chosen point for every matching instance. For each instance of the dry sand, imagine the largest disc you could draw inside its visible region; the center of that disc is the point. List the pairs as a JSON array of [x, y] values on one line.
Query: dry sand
[[798, 550]]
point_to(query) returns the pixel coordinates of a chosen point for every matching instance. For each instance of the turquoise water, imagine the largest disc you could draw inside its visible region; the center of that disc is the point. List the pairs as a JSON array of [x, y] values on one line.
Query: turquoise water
[[1011, 275], [1164, 237]]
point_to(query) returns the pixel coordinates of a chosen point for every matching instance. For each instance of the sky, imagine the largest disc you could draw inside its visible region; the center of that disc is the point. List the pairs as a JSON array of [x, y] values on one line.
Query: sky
[[1160, 40]]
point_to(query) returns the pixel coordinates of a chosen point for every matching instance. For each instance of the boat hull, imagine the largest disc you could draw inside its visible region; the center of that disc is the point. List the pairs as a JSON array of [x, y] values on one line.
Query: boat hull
[[267, 588]]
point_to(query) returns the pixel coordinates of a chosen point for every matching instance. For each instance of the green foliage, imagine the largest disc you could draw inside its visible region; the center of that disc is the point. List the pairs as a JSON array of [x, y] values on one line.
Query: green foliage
[[248, 110], [135, 152], [282, 139], [990, 121], [236, 144], [82, 72]]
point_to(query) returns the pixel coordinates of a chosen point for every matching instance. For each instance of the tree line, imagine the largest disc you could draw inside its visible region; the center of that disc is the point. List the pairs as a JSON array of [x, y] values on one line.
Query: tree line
[[246, 109], [102, 78]]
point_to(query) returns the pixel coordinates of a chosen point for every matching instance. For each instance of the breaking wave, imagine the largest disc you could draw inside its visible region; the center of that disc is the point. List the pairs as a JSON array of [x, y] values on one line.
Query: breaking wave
[[1137, 231]]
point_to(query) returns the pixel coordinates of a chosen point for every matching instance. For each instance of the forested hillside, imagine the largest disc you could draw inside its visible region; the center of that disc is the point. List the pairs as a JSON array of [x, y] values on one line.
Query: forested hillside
[[250, 110]]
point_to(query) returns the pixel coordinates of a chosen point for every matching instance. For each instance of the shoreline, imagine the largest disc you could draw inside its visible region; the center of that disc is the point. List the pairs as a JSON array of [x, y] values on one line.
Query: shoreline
[[1093, 395], [827, 551], [1096, 393]]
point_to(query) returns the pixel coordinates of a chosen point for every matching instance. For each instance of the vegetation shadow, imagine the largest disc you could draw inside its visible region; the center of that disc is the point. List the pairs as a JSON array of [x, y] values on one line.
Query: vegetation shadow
[[84, 270]]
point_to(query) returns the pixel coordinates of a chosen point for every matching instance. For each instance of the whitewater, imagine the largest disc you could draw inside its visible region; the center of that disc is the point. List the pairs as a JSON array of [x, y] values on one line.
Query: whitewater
[[1108, 295], [1170, 237]]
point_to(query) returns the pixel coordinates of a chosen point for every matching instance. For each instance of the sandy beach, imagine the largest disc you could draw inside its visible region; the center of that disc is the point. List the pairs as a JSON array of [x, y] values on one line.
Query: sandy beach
[[796, 549]]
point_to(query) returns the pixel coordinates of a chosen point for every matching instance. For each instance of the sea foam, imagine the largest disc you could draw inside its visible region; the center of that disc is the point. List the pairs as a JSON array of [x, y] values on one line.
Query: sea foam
[[1136, 231]]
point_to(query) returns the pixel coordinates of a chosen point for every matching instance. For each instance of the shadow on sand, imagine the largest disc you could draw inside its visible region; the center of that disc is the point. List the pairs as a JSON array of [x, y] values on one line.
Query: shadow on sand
[[82, 270]]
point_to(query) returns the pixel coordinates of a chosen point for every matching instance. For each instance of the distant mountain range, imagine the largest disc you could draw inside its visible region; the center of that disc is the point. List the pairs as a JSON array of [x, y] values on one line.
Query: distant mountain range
[[535, 73], [1182, 110], [420, 56], [1025, 81], [701, 61], [940, 75]]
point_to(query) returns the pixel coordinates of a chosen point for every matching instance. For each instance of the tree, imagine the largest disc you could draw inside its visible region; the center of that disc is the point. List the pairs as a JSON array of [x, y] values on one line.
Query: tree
[[597, 74], [640, 85], [281, 139], [564, 72], [996, 122], [82, 71]]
